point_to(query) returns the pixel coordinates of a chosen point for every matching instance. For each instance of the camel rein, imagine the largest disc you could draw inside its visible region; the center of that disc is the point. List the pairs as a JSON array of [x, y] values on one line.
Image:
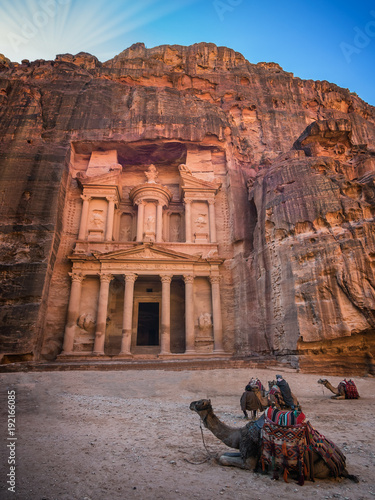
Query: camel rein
[[209, 456]]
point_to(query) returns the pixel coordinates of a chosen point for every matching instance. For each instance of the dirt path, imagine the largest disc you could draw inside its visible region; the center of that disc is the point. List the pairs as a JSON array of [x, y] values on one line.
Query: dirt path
[[127, 435]]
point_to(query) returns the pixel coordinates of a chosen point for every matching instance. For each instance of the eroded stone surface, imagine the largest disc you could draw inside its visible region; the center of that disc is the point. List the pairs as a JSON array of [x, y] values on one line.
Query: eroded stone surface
[[297, 160]]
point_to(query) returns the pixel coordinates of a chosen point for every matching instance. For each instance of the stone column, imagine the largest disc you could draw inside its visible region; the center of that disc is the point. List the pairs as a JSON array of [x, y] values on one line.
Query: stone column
[[211, 208], [165, 338], [101, 319], [189, 314], [216, 314], [159, 222], [110, 217], [140, 220], [188, 221], [73, 312], [85, 211], [127, 318]]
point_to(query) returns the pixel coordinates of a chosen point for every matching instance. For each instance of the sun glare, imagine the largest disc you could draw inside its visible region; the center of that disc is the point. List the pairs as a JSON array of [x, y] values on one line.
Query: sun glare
[[41, 29]]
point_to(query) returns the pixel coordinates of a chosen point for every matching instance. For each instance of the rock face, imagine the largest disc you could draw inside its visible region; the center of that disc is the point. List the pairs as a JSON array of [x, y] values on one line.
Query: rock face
[[299, 164]]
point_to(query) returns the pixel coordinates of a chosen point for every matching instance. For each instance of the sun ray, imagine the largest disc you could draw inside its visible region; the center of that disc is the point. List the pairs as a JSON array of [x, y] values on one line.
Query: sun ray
[[45, 29]]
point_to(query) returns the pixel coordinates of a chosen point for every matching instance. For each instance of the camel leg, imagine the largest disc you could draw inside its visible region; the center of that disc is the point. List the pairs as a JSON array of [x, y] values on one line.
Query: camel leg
[[337, 397], [232, 460], [235, 460]]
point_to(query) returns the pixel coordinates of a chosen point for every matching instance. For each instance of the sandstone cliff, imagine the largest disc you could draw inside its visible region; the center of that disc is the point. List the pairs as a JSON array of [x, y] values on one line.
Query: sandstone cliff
[[300, 159]]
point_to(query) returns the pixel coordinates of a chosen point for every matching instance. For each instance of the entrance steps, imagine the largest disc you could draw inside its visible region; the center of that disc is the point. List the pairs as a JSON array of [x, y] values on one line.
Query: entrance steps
[[145, 362]]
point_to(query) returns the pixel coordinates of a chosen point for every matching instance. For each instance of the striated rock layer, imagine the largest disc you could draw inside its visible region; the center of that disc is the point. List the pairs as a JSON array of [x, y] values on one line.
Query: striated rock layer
[[300, 167]]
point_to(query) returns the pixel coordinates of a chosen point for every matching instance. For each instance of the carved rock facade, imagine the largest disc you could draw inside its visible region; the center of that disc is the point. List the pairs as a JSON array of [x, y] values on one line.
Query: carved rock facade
[[235, 197]]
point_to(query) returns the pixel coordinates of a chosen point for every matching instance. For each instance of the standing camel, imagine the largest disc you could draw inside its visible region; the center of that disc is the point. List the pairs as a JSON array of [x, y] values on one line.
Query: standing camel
[[252, 400], [248, 441]]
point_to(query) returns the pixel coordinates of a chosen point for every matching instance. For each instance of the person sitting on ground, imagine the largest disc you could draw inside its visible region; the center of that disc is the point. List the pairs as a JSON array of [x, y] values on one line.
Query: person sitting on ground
[[285, 391]]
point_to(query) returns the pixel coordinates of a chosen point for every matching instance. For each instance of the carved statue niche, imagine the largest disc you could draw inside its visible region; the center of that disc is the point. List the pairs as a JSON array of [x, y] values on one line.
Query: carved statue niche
[[126, 225], [205, 323], [97, 219], [204, 338], [201, 228], [87, 322], [175, 227], [84, 338], [150, 222]]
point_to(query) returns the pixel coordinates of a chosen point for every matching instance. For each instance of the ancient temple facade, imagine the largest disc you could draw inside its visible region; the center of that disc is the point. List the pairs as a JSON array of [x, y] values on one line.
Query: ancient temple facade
[[145, 269]]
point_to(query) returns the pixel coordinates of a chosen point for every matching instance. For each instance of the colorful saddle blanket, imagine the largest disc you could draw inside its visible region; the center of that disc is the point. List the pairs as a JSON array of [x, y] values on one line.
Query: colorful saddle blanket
[[332, 455], [274, 390], [288, 446], [350, 389], [283, 448], [283, 417]]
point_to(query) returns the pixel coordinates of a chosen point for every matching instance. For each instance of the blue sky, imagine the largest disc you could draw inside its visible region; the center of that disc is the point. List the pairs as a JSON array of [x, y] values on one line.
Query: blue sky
[[320, 40]]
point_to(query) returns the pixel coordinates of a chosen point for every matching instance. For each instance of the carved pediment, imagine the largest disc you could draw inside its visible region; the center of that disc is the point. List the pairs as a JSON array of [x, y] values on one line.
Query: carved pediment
[[144, 253], [190, 183], [110, 178]]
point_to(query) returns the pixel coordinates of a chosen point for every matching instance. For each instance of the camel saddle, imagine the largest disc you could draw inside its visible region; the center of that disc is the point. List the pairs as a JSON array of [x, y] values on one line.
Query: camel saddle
[[288, 442], [350, 389]]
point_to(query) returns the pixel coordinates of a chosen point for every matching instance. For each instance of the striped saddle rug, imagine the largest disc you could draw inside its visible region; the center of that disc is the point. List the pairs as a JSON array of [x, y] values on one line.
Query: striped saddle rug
[[288, 443]]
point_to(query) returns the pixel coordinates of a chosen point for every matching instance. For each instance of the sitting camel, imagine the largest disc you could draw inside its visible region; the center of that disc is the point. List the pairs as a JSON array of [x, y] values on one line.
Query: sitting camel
[[248, 441], [343, 391]]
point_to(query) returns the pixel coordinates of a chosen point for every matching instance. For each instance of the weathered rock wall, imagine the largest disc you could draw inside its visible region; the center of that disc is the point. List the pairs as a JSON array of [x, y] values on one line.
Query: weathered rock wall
[[302, 238]]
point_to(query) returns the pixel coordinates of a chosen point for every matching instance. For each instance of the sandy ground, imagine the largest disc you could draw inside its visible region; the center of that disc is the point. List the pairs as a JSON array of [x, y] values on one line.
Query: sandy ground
[[128, 435]]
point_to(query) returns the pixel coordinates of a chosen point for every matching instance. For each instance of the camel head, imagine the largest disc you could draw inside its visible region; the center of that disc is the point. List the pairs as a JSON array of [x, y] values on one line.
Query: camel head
[[322, 381], [203, 408], [271, 383], [203, 405]]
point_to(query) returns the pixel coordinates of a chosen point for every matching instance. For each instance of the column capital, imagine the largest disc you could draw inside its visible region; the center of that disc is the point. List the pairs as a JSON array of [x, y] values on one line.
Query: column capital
[[111, 198], [139, 202], [187, 201], [166, 278], [131, 277], [86, 197], [215, 279], [188, 278], [76, 276], [105, 277], [211, 201]]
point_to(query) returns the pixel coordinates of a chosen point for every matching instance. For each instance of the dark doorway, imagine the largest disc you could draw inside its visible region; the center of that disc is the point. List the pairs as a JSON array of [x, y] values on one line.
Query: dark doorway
[[148, 323]]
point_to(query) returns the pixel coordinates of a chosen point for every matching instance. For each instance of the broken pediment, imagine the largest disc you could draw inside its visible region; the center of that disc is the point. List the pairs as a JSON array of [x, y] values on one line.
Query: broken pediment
[[191, 184], [110, 178]]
